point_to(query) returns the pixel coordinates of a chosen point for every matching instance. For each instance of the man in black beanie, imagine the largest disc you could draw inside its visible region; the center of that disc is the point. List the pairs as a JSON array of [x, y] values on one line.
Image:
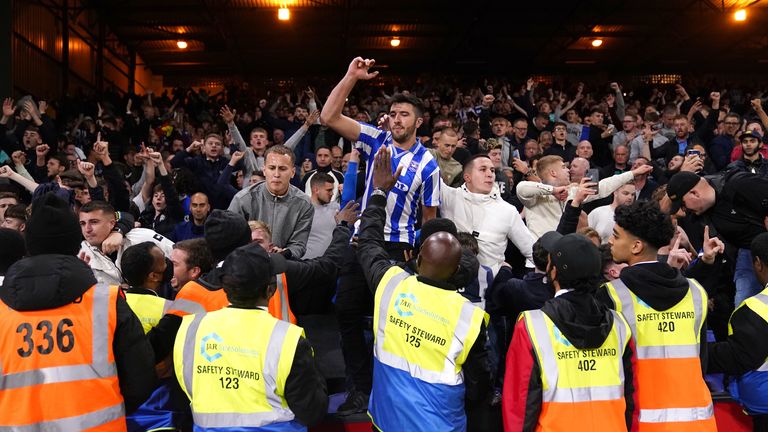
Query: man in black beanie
[[54, 292], [224, 232], [13, 249]]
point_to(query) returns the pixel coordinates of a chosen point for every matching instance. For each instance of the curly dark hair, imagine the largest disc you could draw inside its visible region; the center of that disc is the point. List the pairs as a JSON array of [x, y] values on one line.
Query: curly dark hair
[[646, 221]]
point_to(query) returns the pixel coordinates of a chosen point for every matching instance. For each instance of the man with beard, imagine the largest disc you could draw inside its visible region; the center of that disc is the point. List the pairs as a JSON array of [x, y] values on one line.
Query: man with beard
[[418, 182], [194, 226], [320, 235]]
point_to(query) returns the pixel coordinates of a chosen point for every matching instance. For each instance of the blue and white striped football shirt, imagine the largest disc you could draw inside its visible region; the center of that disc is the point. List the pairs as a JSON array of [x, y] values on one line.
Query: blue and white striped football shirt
[[419, 182]]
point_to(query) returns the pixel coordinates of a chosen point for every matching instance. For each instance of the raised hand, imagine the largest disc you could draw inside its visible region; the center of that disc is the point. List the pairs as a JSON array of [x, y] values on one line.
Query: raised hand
[[101, 148], [8, 109], [382, 170], [642, 169], [692, 163], [488, 100], [235, 157], [87, 169], [712, 247], [615, 86], [359, 69], [6, 171], [194, 147], [227, 114], [678, 257], [156, 158], [384, 122], [349, 213], [42, 150], [354, 156], [585, 189], [19, 157], [757, 104], [312, 118], [30, 107]]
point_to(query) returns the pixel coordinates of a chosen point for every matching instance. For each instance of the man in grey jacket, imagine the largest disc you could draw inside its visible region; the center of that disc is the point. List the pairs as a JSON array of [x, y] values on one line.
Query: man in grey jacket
[[285, 208]]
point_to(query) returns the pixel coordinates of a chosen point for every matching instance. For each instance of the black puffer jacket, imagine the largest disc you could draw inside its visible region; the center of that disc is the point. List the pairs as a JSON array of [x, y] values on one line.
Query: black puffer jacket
[[52, 281]]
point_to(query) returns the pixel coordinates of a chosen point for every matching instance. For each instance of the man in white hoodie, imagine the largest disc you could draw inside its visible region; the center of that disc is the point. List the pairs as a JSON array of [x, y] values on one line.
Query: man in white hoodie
[[477, 207], [544, 202], [97, 221]]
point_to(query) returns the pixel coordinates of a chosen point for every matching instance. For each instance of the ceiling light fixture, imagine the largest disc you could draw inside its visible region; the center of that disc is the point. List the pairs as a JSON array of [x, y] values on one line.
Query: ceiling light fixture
[[740, 15], [283, 14], [182, 44], [597, 42], [395, 42]]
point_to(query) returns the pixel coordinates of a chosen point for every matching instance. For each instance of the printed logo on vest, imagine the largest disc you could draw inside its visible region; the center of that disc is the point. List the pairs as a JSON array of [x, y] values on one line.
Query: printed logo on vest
[[560, 338], [403, 304], [213, 345]]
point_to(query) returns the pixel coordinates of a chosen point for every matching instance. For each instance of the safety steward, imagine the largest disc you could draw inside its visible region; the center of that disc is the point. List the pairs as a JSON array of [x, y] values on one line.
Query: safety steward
[[667, 314], [429, 348], [263, 379], [146, 270], [745, 352], [571, 360], [73, 355]]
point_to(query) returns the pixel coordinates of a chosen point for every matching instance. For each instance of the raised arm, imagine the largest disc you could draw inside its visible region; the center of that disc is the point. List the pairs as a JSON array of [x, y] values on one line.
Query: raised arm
[[331, 114], [374, 259], [300, 132], [7, 172]]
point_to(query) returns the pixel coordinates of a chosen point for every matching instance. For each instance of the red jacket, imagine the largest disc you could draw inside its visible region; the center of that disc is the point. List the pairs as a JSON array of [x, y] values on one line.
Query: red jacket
[[522, 401]]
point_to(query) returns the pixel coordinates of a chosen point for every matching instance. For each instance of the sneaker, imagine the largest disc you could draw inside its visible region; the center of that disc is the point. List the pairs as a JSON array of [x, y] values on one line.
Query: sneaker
[[357, 402]]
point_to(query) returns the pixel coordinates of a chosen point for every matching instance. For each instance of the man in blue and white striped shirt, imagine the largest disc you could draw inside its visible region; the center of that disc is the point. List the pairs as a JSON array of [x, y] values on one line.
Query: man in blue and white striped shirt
[[418, 182]]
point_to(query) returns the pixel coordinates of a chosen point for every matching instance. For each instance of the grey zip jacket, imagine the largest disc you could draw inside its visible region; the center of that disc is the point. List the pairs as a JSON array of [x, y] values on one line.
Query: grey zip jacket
[[289, 216]]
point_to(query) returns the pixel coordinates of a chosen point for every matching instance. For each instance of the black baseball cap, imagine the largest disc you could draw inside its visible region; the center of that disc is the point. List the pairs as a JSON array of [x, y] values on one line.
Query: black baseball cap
[[679, 185], [750, 134], [574, 256]]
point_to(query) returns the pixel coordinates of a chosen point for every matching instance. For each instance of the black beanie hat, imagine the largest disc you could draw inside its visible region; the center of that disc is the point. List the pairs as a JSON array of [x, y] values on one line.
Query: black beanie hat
[[226, 231], [53, 228], [13, 248]]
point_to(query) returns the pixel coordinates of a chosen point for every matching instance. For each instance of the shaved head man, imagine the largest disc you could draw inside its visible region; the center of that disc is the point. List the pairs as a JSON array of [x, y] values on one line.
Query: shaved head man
[[439, 256]]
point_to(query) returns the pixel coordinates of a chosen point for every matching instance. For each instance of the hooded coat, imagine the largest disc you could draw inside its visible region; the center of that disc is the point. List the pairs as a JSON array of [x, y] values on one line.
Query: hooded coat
[[46, 282], [586, 324]]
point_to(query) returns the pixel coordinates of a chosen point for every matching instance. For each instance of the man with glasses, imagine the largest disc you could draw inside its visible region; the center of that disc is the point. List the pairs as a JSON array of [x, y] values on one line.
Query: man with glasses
[[721, 147], [517, 142], [561, 147]]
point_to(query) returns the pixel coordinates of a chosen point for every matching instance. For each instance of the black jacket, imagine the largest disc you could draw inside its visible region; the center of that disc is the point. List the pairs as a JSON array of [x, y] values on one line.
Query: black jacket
[[375, 262], [311, 283], [52, 281], [740, 208], [745, 350], [303, 277], [660, 287]]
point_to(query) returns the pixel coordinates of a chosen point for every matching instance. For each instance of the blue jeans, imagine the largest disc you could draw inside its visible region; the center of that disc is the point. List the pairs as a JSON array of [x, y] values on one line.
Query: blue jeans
[[744, 277]]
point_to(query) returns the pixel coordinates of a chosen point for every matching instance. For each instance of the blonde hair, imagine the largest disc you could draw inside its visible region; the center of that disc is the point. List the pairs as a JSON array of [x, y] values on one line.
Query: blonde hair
[[260, 225], [491, 144], [546, 162]]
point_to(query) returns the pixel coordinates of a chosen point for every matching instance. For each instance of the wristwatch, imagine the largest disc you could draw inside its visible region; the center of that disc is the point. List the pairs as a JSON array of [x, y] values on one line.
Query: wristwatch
[[379, 191]]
